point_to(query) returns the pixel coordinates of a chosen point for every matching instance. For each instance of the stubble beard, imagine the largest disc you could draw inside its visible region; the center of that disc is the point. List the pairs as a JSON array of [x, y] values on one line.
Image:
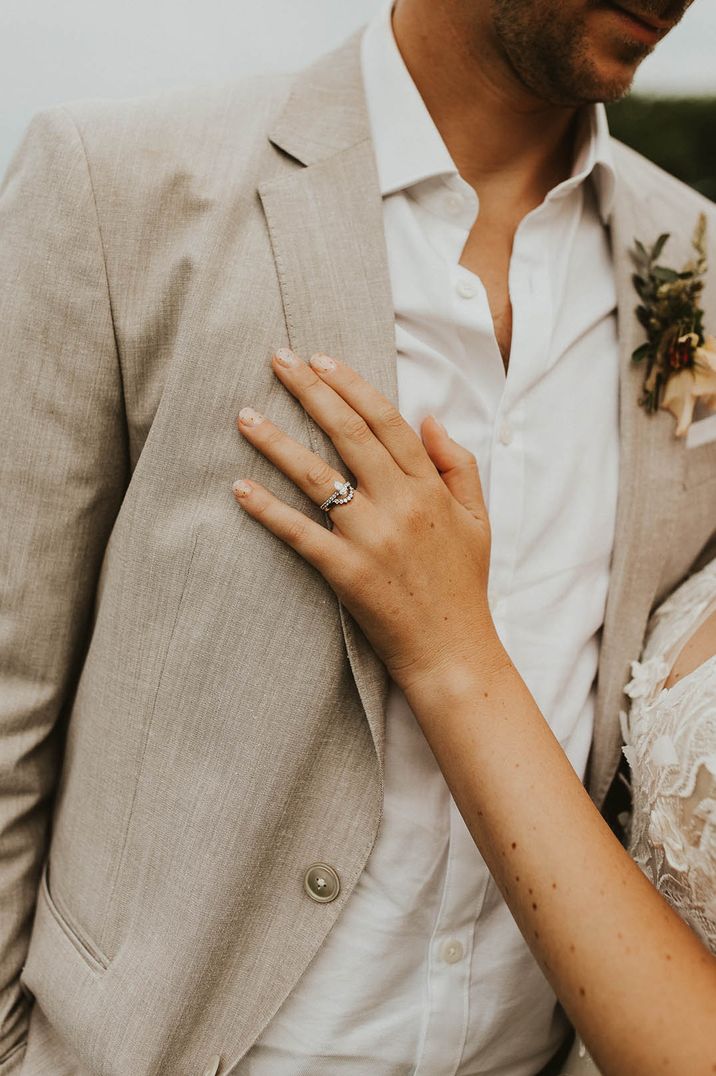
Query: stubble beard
[[552, 58]]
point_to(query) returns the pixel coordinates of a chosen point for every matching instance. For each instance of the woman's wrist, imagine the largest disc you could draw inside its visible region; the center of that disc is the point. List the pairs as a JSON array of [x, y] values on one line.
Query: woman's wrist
[[458, 676]]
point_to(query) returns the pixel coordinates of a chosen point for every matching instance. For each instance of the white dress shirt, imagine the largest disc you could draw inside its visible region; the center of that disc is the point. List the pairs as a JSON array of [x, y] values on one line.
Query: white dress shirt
[[425, 971]]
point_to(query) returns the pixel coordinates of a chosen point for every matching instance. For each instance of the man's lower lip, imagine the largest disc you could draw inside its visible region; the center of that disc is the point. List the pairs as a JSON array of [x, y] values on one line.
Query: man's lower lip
[[636, 27]]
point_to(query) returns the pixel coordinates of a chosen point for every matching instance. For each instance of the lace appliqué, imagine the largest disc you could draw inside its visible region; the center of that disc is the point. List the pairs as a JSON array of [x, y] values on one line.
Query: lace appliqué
[[670, 745]]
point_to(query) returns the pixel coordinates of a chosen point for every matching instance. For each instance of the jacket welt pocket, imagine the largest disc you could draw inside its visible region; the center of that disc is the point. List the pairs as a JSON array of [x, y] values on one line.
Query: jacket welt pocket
[[90, 953]]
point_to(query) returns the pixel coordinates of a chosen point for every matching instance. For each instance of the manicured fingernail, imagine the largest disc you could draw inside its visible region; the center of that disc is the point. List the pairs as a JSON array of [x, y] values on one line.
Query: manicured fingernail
[[319, 361], [287, 357], [250, 417], [241, 488], [438, 423]]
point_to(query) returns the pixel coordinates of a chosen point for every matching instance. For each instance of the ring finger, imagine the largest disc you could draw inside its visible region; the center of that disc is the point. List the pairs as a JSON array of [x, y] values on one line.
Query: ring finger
[[309, 472]]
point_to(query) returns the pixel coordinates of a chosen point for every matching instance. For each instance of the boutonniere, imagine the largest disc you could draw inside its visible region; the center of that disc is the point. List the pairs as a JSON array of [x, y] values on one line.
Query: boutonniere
[[680, 359]]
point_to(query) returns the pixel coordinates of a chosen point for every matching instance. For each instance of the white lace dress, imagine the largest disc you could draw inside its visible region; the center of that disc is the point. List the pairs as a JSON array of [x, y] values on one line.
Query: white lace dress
[[670, 744]]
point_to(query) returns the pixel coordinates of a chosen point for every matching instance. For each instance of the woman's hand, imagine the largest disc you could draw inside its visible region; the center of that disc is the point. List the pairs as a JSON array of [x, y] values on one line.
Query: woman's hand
[[409, 555]]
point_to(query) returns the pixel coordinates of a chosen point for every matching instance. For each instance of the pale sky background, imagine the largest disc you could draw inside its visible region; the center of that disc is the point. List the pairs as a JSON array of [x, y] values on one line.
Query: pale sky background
[[53, 51]]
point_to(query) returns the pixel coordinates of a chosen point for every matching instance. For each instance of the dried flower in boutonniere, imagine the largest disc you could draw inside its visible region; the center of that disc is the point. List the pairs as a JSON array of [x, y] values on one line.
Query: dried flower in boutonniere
[[680, 358]]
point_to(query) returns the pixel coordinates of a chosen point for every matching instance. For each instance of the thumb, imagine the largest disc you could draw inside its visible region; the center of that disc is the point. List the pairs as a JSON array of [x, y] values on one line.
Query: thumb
[[457, 466]]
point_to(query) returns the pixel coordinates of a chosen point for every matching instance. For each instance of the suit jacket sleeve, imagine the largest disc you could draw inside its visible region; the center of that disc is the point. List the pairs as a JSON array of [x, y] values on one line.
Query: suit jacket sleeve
[[63, 471]]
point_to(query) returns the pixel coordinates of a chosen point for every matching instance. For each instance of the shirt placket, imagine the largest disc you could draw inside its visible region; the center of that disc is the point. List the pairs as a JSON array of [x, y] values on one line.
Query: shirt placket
[[451, 947], [531, 294], [450, 955]]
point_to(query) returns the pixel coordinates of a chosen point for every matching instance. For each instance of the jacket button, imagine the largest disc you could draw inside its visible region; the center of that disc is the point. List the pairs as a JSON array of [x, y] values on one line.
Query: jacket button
[[321, 882], [213, 1066]]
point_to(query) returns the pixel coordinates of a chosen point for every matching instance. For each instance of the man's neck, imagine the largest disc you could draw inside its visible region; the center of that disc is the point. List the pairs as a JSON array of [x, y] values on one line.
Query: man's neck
[[504, 141]]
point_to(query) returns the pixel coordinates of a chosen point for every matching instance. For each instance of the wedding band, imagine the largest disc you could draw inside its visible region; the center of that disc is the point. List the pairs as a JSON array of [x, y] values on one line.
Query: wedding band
[[343, 493]]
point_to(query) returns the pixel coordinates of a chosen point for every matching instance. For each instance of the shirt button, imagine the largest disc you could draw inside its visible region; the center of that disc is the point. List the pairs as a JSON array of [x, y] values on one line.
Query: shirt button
[[213, 1066], [505, 434], [451, 951], [321, 882], [465, 288]]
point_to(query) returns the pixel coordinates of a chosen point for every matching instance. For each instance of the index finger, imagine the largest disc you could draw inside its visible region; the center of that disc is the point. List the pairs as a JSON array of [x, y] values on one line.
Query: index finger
[[384, 419]]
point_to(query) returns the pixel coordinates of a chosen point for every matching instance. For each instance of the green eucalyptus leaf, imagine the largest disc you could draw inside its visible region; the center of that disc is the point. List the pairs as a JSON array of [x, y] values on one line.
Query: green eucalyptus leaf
[[664, 275], [659, 246], [640, 353]]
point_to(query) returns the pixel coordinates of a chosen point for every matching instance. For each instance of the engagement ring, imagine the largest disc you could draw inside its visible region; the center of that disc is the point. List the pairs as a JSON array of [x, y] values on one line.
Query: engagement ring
[[344, 493]]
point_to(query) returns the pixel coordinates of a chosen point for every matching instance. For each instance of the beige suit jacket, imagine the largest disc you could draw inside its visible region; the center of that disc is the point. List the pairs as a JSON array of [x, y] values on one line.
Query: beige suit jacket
[[188, 719]]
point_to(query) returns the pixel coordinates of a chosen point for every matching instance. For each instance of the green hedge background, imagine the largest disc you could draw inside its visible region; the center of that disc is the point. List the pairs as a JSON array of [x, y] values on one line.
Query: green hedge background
[[678, 133]]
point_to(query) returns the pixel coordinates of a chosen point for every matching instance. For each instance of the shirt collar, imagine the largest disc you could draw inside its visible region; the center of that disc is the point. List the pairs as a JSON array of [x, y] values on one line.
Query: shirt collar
[[408, 146]]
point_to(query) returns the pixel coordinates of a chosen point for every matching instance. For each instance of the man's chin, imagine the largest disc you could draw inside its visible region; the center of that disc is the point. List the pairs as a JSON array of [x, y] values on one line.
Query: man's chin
[[595, 89], [607, 94], [603, 76]]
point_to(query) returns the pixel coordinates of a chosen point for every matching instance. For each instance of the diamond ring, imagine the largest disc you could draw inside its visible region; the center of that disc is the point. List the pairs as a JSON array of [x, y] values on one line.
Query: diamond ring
[[343, 493]]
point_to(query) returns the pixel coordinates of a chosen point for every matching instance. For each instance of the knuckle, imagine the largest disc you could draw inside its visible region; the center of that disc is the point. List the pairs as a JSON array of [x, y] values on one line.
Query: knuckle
[[465, 457], [389, 415], [306, 384], [381, 542], [295, 533], [274, 436], [310, 379], [377, 554], [319, 474], [356, 429]]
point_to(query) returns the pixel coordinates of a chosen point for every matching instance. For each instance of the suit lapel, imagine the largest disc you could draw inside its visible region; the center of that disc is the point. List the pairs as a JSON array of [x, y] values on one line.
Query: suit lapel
[[326, 226], [649, 474]]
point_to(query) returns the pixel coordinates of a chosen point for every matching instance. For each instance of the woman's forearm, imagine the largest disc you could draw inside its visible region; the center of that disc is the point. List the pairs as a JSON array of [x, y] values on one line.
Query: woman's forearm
[[637, 983], [409, 557]]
